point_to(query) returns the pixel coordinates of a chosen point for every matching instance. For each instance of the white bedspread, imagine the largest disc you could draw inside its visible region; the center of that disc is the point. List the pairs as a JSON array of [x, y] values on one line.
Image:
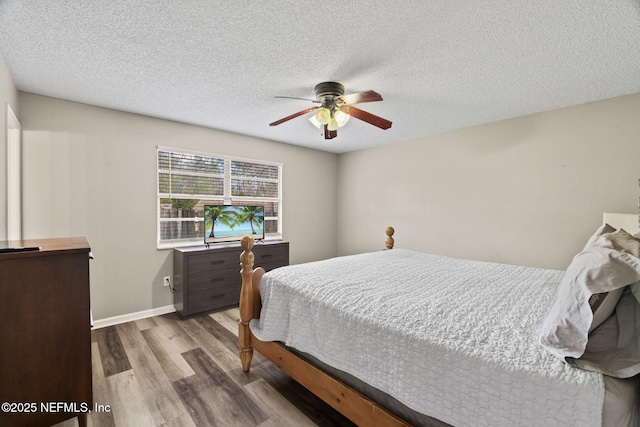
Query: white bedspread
[[453, 339]]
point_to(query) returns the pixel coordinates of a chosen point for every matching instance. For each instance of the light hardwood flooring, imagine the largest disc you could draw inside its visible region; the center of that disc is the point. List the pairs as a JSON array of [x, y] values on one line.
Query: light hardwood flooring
[[164, 371]]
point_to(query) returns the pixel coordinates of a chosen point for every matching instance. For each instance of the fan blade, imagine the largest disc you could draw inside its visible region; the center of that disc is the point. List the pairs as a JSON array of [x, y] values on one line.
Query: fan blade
[[372, 119], [295, 97], [293, 116], [359, 97], [329, 134]]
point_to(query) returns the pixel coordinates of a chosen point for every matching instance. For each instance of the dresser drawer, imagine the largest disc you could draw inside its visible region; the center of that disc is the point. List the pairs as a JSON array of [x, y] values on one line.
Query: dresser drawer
[[215, 279], [214, 260], [215, 297], [270, 254], [268, 266]]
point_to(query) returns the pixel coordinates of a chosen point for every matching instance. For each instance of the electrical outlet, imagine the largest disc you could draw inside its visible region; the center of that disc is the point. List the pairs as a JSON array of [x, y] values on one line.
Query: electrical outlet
[[167, 280]]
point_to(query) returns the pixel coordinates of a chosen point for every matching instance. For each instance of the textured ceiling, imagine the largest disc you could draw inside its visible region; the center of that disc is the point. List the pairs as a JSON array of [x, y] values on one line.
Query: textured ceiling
[[439, 64]]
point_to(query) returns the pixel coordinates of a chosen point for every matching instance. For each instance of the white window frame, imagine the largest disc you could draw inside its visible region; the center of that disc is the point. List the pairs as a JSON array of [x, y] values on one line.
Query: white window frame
[[227, 197]]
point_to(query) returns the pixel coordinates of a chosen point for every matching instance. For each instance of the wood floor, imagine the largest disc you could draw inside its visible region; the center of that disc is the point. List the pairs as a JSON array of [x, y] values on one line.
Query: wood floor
[[164, 371]]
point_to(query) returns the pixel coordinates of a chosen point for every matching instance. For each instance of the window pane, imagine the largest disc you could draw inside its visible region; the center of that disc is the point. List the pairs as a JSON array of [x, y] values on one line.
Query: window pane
[[181, 227], [181, 230], [270, 226], [193, 184], [270, 208], [248, 188], [185, 208], [186, 218], [163, 160], [190, 163], [253, 170], [163, 182]]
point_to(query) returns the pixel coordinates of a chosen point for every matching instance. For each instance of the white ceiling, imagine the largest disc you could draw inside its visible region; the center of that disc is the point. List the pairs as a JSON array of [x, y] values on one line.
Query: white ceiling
[[439, 64]]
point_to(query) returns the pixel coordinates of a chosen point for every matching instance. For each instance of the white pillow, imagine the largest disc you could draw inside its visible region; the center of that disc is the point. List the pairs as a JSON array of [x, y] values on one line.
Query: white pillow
[[604, 303], [606, 265]]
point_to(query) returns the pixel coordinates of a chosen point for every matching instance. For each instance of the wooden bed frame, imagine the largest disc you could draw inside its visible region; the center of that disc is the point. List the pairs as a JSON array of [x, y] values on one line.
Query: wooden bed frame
[[353, 405], [349, 402]]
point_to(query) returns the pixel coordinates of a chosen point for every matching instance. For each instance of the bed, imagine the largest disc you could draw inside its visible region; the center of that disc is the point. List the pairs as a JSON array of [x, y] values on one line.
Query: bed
[[416, 352]]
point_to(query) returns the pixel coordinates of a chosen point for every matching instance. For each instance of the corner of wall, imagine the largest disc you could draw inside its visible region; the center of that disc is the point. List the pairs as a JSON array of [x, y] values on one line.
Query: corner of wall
[[8, 97]]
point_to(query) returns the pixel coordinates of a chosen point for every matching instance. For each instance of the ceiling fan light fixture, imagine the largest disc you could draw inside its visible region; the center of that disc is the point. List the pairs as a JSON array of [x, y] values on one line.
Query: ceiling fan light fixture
[[336, 109], [323, 116], [315, 121], [333, 124], [341, 117]]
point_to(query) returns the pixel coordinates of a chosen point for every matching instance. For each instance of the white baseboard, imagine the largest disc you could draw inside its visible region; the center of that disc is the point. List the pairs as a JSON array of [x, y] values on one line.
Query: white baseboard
[[123, 318]]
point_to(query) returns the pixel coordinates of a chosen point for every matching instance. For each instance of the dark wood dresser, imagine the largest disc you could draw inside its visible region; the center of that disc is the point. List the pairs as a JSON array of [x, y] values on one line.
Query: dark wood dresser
[[45, 333], [208, 279]]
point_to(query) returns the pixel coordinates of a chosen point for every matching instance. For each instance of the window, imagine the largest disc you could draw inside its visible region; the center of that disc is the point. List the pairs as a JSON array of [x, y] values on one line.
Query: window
[[188, 180]]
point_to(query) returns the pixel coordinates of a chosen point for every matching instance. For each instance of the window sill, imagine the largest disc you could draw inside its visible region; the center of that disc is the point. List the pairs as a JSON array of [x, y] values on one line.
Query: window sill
[[166, 246]]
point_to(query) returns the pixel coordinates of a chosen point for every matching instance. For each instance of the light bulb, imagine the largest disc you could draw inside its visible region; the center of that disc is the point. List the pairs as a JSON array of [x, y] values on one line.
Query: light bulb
[[323, 116], [341, 117], [333, 124]]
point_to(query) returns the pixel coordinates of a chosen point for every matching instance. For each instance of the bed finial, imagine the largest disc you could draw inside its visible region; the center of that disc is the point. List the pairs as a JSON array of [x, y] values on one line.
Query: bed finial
[[246, 307], [246, 257], [389, 242]]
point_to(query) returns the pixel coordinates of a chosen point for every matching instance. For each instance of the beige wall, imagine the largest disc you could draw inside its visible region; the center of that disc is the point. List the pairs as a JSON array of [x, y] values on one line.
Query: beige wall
[[91, 172], [525, 191], [8, 96]]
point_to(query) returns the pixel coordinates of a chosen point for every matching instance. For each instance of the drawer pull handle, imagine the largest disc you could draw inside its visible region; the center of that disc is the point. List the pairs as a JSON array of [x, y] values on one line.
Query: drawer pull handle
[[220, 261], [267, 255], [217, 279], [217, 296]]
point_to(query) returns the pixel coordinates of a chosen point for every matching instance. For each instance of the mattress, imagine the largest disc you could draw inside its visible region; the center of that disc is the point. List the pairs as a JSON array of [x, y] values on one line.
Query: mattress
[[453, 339], [621, 399]]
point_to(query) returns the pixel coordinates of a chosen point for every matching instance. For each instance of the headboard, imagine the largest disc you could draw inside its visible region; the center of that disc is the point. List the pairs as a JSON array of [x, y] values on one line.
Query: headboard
[[628, 222]]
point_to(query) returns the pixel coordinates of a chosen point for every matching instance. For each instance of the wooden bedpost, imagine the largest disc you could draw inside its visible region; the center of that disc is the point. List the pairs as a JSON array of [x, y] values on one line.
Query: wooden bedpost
[[389, 242], [246, 303]]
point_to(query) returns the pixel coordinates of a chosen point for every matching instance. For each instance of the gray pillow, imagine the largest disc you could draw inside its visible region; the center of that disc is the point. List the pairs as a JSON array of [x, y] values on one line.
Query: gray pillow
[[602, 306], [603, 229]]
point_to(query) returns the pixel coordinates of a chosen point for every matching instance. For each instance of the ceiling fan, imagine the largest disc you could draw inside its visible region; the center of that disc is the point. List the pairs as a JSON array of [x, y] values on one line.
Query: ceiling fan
[[336, 108]]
